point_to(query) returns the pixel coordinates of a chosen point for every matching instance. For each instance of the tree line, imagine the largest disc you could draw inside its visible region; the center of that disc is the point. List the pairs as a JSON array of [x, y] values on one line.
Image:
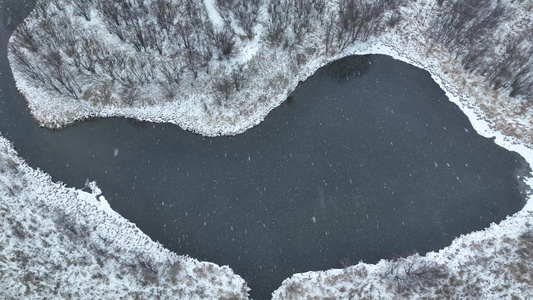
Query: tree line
[[161, 40], [467, 28]]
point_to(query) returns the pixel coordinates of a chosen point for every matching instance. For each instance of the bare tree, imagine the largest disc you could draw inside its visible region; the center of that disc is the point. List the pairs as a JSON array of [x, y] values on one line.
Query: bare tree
[[165, 13], [154, 38], [247, 16], [224, 43], [88, 52], [60, 72], [461, 22], [329, 32], [291, 20], [278, 23], [83, 7], [110, 11], [184, 32], [49, 27], [26, 37], [358, 20], [138, 35], [302, 15], [463, 27], [171, 71], [193, 61], [112, 63], [141, 69], [28, 68], [206, 54]]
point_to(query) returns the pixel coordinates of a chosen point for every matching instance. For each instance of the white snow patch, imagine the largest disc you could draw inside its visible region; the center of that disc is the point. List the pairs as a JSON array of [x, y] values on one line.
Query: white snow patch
[[213, 14]]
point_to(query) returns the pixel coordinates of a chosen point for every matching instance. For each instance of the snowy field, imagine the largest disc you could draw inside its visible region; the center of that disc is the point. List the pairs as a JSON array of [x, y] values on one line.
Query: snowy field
[[61, 241]]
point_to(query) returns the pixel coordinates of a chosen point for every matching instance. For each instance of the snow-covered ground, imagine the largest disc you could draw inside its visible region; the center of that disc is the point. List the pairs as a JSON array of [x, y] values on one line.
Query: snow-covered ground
[[494, 263], [59, 242]]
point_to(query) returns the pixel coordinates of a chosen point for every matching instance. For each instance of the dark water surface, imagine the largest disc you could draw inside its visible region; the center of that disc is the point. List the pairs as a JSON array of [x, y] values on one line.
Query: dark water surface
[[366, 160]]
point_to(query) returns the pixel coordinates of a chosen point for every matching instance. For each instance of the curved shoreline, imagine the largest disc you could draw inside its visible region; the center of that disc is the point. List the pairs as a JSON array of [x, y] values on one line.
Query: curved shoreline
[[196, 111], [71, 237], [389, 44]]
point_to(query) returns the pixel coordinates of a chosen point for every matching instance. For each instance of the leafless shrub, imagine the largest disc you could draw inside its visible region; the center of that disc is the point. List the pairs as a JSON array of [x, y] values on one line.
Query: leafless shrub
[[66, 221], [394, 19], [527, 234], [415, 271], [224, 43], [223, 89], [346, 262], [130, 95], [19, 230], [237, 78], [148, 269], [173, 270], [393, 267], [13, 164], [295, 289]]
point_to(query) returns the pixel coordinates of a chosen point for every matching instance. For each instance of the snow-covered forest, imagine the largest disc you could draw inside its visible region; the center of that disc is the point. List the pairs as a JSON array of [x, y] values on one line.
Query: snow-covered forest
[[217, 67], [102, 51], [209, 66], [464, 29]]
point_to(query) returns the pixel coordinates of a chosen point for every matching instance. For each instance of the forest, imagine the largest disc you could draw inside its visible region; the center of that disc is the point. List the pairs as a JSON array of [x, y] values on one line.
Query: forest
[[121, 51], [466, 27], [163, 41]]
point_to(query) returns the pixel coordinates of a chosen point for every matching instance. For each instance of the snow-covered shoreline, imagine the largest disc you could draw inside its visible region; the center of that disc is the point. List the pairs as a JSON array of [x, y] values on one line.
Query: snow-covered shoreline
[[475, 98], [61, 241], [494, 263]]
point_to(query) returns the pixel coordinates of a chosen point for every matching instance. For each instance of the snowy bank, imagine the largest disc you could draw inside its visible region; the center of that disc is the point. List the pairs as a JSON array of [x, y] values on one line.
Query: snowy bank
[[62, 242], [495, 263]]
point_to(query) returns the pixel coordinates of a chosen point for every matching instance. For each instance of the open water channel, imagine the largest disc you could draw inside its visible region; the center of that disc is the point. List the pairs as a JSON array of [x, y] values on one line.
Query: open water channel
[[366, 160]]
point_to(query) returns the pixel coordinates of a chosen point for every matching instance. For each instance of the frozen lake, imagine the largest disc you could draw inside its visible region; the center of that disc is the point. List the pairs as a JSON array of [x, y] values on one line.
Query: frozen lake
[[366, 160]]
